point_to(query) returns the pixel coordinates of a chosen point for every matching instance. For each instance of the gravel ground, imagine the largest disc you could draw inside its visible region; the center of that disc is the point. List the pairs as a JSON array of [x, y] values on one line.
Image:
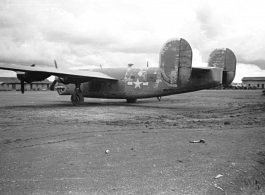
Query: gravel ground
[[48, 146]]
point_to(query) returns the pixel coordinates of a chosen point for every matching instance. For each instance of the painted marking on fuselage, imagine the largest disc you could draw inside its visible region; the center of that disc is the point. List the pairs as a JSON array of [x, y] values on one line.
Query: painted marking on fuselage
[[137, 84]]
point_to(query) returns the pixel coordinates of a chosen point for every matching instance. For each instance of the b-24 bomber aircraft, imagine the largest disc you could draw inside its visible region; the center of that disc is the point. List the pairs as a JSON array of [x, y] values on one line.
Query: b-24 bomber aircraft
[[174, 75]]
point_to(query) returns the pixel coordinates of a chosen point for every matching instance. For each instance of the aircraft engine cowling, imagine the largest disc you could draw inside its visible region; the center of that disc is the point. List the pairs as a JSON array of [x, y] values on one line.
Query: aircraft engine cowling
[[65, 80], [32, 76], [175, 62], [59, 80], [224, 58]]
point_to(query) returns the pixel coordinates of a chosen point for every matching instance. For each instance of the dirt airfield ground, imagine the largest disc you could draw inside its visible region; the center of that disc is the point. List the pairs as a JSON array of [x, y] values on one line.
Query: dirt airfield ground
[[48, 146]]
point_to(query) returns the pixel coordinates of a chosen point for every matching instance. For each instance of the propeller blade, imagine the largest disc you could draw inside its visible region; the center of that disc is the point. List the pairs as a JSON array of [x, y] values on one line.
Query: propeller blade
[[22, 86], [53, 84], [55, 63]]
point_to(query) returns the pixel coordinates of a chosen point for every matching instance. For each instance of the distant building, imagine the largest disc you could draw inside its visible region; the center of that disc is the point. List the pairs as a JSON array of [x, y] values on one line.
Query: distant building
[[258, 82], [13, 84]]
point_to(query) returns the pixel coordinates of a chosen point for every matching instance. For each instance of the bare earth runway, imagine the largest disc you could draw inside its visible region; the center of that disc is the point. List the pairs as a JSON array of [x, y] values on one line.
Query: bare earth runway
[[47, 146]]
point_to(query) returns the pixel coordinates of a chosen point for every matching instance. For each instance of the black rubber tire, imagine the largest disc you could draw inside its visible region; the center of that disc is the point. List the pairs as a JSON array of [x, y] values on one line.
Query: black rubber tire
[[76, 100], [131, 100]]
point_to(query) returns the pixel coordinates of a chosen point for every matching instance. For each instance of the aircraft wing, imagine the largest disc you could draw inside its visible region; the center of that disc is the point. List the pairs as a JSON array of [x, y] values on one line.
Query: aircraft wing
[[57, 72]]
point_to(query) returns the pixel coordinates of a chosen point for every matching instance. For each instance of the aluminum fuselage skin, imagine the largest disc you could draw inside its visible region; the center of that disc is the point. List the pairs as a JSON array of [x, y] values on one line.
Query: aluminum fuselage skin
[[144, 83]]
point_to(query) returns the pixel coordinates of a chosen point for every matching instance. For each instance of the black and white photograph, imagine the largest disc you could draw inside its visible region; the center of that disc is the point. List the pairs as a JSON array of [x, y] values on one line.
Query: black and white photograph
[[130, 97]]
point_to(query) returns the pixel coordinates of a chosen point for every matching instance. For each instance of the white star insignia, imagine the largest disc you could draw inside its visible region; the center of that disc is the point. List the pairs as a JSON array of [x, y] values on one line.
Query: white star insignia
[[137, 84]]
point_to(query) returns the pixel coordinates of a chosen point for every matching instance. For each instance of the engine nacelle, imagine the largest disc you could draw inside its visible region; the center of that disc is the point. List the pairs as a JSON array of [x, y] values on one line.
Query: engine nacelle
[[69, 80], [224, 58], [175, 62], [65, 81], [30, 77]]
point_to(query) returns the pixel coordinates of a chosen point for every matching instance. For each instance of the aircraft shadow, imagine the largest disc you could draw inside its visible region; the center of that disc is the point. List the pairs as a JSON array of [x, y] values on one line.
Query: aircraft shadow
[[145, 103]]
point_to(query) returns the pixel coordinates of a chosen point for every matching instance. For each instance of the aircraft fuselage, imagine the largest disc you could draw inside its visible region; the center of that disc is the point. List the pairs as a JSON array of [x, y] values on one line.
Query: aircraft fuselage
[[144, 83]]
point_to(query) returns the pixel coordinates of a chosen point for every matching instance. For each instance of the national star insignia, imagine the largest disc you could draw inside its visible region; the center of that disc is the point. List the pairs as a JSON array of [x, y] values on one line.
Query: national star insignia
[[137, 84]]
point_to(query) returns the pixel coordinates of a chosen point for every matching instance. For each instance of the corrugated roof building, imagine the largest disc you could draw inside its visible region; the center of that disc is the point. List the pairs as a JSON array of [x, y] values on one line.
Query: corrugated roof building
[[258, 82], [13, 83]]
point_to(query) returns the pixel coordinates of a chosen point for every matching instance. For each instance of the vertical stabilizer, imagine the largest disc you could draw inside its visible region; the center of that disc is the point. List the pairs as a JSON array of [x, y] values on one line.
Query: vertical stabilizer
[[224, 58], [175, 62]]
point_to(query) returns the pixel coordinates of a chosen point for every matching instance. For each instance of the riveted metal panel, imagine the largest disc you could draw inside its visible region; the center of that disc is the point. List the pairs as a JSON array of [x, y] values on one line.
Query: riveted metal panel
[[185, 62], [230, 62], [217, 58], [224, 58], [175, 62]]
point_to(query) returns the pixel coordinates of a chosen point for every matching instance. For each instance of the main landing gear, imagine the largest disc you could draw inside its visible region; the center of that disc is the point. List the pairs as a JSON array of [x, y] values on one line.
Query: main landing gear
[[131, 100], [77, 98]]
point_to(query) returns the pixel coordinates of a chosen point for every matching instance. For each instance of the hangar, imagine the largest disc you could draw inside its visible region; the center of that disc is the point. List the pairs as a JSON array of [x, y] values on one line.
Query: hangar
[[13, 84], [258, 82]]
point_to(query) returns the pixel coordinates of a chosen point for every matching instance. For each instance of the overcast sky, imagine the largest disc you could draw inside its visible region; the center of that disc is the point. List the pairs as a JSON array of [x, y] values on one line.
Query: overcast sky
[[113, 33]]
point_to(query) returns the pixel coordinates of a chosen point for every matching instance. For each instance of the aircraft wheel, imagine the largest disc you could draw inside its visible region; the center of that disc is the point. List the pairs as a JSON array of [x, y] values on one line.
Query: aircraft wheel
[[81, 96], [131, 100], [77, 99]]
